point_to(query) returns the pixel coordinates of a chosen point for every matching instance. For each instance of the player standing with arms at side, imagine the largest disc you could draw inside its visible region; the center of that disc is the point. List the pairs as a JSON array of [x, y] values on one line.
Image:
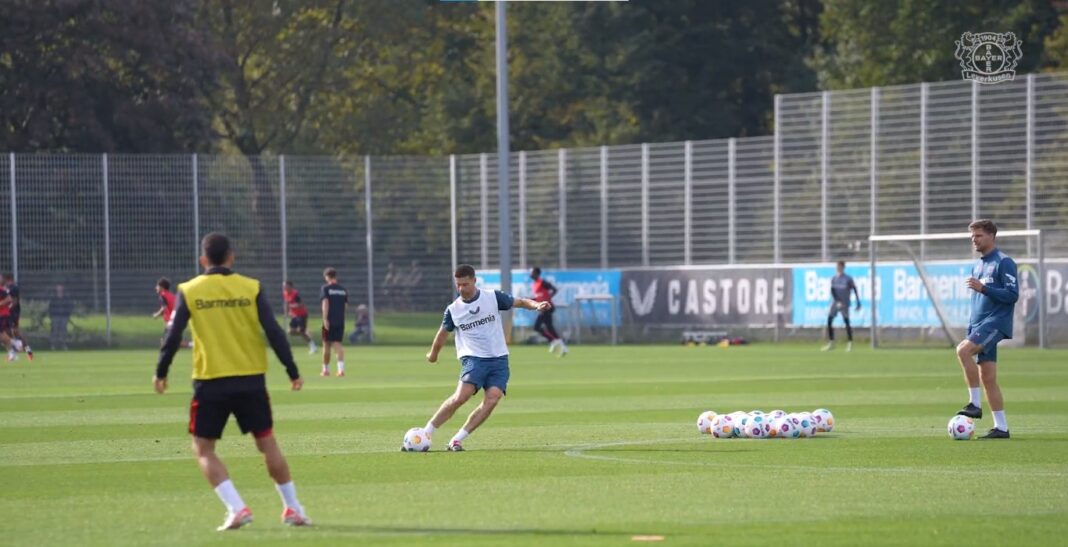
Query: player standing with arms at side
[[5, 325], [334, 299], [475, 317], [16, 312], [842, 289], [230, 315], [995, 294], [298, 314], [544, 292]]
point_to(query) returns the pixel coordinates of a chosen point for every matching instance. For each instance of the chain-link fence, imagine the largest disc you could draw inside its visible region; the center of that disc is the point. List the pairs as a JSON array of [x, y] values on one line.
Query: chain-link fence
[[841, 166]]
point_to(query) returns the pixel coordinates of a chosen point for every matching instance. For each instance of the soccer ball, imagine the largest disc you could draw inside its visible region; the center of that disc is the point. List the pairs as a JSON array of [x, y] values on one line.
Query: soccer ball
[[805, 426], [786, 428], [740, 418], [756, 427], [723, 426], [416, 440], [824, 420], [776, 414], [704, 422], [961, 428]]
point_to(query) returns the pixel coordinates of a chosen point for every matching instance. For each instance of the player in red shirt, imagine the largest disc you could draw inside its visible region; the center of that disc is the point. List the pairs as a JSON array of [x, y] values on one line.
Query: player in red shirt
[[544, 292], [297, 314], [14, 310], [5, 324], [166, 307]]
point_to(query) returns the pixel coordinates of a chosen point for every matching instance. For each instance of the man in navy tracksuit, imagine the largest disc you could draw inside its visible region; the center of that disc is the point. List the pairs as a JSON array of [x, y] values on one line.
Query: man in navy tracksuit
[[996, 291]]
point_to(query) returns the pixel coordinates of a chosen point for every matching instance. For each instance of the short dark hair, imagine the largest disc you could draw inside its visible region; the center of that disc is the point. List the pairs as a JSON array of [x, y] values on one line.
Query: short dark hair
[[165, 283], [464, 270], [535, 270], [215, 247], [289, 283], [330, 273], [985, 225], [841, 263]]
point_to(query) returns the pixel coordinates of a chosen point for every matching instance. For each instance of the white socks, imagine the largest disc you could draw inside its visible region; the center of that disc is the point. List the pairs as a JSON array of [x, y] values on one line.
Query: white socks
[[430, 429], [459, 436], [289, 496], [974, 397], [341, 366], [229, 496], [999, 420]]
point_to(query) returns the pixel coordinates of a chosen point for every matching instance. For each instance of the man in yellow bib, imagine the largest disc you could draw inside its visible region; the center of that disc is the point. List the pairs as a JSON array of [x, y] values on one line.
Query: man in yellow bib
[[229, 315]]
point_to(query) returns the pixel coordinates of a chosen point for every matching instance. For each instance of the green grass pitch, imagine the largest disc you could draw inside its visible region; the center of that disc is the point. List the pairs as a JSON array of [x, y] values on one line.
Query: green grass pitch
[[593, 449]]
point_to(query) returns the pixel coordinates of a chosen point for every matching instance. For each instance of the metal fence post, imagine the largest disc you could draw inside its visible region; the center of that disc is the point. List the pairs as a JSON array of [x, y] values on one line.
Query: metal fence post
[[483, 208], [452, 209], [107, 254], [368, 210], [687, 206], [522, 210], [604, 207], [562, 189], [777, 182], [282, 215], [732, 235], [645, 204], [196, 215], [824, 182], [874, 161], [923, 167], [1030, 159], [14, 220], [975, 150]]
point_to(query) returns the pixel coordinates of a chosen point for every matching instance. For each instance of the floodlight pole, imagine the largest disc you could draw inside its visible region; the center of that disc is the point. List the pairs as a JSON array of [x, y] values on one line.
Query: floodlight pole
[[503, 199]]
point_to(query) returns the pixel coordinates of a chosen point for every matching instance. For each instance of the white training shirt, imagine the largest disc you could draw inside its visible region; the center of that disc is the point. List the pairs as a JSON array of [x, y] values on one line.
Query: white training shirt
[[478, 325]]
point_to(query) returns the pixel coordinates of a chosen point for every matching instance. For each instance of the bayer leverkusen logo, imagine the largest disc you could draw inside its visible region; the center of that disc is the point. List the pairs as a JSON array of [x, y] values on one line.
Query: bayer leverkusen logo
[[989, 57]]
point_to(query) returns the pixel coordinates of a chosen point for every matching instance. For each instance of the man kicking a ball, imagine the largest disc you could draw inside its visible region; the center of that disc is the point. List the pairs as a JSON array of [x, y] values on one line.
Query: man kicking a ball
[[475, 317]]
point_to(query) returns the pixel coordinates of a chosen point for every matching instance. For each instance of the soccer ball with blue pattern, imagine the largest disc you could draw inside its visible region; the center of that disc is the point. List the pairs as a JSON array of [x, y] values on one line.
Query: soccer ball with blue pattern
[[961, 428], [416, 440], [740, 418], [756, 426]]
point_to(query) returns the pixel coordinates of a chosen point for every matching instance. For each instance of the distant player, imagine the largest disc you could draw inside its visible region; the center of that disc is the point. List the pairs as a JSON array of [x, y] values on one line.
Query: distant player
[[996, 290], [297, 314], [166, 307], [334, 299], [475, 317], [15, 306], [5, 325], [544, 292], [362, 330], [232, 325], [842, 289]]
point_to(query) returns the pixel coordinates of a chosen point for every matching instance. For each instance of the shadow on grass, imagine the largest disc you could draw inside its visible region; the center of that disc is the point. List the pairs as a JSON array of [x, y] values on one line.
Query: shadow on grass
[[370, 529]]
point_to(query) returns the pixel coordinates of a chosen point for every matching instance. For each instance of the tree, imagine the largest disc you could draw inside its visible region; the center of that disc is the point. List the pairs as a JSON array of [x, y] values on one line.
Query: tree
[[86, 76]]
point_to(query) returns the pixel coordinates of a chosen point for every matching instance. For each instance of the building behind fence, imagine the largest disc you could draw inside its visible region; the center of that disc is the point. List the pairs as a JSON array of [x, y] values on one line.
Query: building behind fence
[[841, 166]]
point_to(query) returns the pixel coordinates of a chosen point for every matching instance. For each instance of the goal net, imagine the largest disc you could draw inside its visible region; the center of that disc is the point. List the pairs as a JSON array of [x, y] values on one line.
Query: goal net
[[921, 297]]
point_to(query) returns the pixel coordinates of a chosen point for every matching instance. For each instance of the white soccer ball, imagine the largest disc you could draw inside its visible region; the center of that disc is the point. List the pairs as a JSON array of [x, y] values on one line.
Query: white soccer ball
[[723, 426], [416, 440], [756, 427], [740, 418], [704, 422], [824, 420], [776, 414], [804, 424], [961, 428], [787, 427]]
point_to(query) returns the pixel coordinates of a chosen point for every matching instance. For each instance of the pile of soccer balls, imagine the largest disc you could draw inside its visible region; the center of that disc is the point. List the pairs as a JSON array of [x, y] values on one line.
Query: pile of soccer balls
[[776, 424]]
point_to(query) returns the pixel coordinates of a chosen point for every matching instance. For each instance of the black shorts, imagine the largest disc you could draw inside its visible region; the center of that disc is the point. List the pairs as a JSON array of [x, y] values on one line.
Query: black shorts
[[298, 323], [5, 324], [243, 396], [15, 320], [335, 333]]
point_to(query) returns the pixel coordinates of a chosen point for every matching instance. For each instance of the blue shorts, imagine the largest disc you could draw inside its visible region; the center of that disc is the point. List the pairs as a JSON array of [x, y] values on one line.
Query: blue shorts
[[484, 372], [988, 337]]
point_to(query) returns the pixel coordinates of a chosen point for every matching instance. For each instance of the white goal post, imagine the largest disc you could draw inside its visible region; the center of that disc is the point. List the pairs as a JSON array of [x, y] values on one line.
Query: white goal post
[[927, 251]]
